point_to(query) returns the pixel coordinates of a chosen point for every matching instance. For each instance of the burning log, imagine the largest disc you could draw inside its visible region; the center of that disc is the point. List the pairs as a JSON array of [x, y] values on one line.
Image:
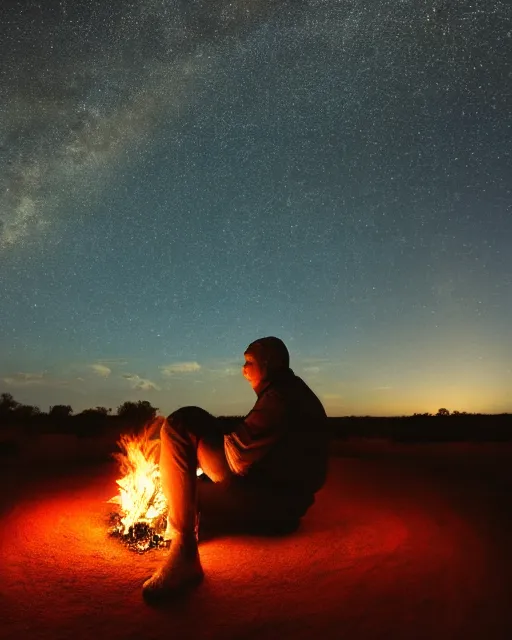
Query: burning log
[[140, 537]]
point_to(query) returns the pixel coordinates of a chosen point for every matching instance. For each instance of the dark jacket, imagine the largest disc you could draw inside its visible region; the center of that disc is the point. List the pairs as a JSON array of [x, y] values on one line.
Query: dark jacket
[[283, 442]]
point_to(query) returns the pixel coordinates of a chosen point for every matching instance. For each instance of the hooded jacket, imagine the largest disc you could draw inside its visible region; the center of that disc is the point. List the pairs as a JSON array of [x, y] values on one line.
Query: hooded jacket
[[282, 443]]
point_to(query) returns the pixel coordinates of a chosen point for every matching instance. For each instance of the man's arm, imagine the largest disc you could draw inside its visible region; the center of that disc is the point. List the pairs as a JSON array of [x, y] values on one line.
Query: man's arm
[[257, 434]]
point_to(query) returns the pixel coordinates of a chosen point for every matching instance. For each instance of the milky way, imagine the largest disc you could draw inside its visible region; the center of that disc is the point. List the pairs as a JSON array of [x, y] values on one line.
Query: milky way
[[179, 178]]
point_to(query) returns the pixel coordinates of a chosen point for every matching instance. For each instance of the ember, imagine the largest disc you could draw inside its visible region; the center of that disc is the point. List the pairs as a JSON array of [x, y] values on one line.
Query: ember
[[140, 537]]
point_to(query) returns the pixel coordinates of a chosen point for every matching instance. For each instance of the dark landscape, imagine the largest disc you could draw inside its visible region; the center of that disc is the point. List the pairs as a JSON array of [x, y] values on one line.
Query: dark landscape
[[410, 538]]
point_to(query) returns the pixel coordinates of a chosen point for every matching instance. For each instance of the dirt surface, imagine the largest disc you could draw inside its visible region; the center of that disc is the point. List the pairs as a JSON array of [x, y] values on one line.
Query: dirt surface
[[405, 543]]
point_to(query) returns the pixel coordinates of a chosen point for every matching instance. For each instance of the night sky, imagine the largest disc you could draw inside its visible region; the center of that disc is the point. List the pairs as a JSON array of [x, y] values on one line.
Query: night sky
[[179, 178]]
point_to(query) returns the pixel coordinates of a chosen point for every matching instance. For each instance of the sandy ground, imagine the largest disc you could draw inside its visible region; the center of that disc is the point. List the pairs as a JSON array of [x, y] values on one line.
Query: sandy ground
[[403, 542]]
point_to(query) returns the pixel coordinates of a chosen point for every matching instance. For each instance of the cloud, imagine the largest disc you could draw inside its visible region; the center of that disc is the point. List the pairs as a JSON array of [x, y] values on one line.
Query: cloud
[[101, 370], [231, 371], [141, 383], [383, 388], [22, 379], [180, 367], [315, 361], [226, 370], [120, 362], [311, 369], [315, 366]]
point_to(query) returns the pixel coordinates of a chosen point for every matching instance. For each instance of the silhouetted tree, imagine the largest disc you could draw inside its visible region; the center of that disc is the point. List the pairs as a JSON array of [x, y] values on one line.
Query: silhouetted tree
[[25, 412], [60, 411], [137, 412], [101, 410], [443, 412], [7, 404], [93, 412], [90, 422]]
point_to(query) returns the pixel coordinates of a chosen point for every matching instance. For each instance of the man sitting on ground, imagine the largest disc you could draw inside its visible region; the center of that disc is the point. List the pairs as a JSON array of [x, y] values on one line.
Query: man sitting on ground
[[265, 471]]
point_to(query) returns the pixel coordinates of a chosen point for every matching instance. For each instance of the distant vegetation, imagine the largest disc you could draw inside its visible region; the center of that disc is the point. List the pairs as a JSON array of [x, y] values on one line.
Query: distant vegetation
[[444, 426], [61, 418]]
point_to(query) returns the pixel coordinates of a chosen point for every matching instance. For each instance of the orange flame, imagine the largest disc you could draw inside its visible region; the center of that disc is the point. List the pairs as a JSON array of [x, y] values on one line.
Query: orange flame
[[140, 497]]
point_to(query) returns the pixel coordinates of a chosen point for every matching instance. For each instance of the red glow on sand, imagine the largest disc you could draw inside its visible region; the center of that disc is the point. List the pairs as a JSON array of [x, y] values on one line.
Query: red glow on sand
[[382, 553]]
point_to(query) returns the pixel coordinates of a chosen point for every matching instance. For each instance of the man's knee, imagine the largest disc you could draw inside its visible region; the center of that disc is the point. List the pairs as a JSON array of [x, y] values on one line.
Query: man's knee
[[192, 420], [187, 414]]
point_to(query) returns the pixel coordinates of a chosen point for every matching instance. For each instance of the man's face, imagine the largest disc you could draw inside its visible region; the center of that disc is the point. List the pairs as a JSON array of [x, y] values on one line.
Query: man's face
[[252, 371]]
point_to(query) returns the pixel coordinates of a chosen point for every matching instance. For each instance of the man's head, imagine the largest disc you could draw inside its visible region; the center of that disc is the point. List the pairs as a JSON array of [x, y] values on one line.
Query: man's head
[[263, 358]]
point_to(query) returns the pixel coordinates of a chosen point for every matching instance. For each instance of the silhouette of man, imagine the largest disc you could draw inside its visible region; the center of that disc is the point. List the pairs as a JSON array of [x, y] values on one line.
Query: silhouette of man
[[261, 476]]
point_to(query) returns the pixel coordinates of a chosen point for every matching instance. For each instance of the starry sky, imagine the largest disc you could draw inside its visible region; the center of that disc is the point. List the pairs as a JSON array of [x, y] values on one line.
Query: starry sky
[[178, 178]]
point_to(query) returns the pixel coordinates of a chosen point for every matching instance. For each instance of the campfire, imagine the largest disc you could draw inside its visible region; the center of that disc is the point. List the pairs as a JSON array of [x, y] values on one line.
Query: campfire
[[141, 519]]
